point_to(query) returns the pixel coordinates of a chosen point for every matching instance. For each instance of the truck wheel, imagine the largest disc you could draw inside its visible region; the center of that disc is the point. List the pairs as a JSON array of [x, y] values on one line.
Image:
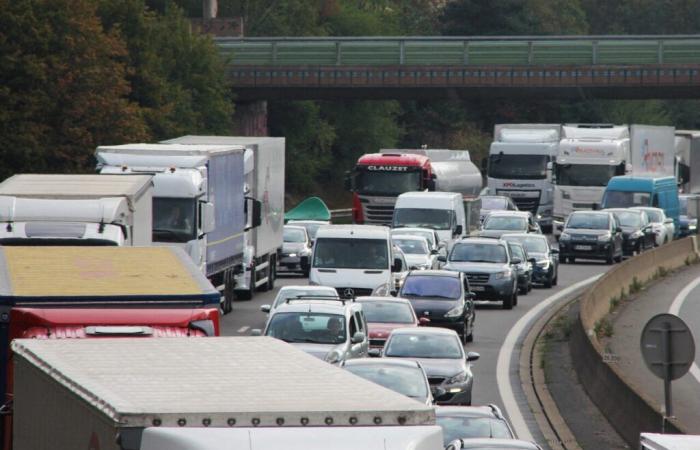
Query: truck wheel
[[271, 273], [229, 292]]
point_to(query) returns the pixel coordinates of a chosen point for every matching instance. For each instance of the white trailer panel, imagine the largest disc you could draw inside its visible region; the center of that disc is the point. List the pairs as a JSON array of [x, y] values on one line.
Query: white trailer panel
[[652, 150]]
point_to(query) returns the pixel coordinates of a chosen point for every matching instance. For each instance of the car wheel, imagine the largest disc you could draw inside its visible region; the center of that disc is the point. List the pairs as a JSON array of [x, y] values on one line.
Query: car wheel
[[508, 302], [470, 336], [555, 281], [549, 281], [610, 259], [463, 334], [572, 260], [619, 258]]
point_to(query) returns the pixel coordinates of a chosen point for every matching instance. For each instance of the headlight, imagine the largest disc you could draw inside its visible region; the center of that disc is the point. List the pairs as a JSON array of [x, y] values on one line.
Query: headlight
[[636, 235], [604, 237], [564, 236], [455, 312], [692, 225], [505, 274], [333, 357], [543, 264], [292, 255], [459, 378]]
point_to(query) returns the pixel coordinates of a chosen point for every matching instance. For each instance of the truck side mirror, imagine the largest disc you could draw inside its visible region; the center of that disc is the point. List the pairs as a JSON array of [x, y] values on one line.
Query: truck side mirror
[[458, 230], [208, 218], [396, 267], [430, 183]]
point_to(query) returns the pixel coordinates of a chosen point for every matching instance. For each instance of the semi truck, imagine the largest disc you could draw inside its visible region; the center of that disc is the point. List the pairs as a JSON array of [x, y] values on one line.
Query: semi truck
[[520, 167], [198, 202], [590, 155], [65, 292], [688, 160], [378, 178], [264, 182], [76, 210], [135, 394]]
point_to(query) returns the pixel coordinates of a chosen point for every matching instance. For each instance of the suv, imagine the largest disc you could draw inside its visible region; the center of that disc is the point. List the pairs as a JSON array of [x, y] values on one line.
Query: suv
[[500, 222], [488, 265], [330, 329]]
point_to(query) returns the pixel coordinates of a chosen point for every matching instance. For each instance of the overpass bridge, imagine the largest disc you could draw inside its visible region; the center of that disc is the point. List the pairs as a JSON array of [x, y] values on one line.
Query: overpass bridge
[[470, 67]]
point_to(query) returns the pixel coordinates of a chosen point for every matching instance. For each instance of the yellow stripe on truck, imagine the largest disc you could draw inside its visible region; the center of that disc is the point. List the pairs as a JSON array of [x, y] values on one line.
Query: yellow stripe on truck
[[97, 271]]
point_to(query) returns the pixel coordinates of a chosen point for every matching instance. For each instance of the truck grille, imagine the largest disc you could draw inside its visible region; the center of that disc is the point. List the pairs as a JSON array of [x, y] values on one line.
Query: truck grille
[[527, 204], [378, 214], [356, 292], [478, 278]]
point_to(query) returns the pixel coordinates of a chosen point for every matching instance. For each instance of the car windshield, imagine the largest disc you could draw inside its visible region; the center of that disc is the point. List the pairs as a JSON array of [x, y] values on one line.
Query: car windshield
[[448, 288], [308, 327], [346, 253], [377, 311], [505, 223], [517, 251], [441, 346], [420, 233], [531, 244], [493, 203], [629, 218], [437, 219], [173, 219], [654, 216], [294, 235], [285, 294], [387, 182], [412, 246], [624, 199], [477, 252], [588, 221], [519, 167], [461, 427], [586, 174], [408, 381]]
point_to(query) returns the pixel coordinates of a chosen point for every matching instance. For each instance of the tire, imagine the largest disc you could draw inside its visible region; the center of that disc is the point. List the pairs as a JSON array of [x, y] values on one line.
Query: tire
[[572, 260], [463, 334], [619, 258], [515, 298], [470, 336], [549, 282], [508, 302], [229, 292], [555, 281], [610, 260]]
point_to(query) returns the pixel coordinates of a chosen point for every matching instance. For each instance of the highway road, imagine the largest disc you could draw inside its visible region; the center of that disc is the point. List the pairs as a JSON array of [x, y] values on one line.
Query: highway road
[[493, 329]]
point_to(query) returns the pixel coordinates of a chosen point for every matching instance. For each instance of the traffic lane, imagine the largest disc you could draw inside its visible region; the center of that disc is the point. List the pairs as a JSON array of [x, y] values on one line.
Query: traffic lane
[[690, 313]]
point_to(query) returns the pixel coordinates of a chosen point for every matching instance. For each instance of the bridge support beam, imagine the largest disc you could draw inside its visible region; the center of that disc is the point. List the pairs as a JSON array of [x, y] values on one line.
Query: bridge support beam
[[250, 118]]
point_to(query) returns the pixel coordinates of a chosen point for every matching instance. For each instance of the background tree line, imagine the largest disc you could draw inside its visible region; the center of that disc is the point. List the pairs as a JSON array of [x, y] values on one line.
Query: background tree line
[[77, 73]]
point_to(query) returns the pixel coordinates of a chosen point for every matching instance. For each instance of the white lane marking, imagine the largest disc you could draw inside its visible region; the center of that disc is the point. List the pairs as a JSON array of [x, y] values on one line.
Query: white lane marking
[[242, 329], [503, 366], [675, 309]]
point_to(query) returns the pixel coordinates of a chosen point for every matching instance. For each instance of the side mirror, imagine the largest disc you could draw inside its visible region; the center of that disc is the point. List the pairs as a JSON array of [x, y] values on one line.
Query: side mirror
[[516, 261], [393, 293], [471, 295], [554, 251], [208, 218], [423, 321], [265, 308], [618, 230], [533, 260], [442, 258], [396, 267], [358, 337], [256, 332], [473, 356], [430, 184], [434, 251], [374, 353], [458, 230]]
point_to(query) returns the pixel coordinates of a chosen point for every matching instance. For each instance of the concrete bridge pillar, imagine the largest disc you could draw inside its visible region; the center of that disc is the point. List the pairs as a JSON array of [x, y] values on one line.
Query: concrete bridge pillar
[[250, 118]]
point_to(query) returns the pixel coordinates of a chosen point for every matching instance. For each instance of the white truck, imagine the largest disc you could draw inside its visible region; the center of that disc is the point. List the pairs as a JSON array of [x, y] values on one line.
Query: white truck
[[264, 182], [589, 155], [76, 210], [198, 201], [143, 394], [520, 166], [688, 159]]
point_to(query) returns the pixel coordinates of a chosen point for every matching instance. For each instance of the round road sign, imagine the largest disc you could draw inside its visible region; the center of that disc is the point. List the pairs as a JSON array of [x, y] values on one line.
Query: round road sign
[[667, 346]]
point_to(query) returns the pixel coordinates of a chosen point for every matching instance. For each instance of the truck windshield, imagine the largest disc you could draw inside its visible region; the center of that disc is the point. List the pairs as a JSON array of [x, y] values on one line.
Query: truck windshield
[[624, 199], [586, 174], [346, 253], [370, 182], [518, 167], [438, 219], [307, 327], [174, 219]]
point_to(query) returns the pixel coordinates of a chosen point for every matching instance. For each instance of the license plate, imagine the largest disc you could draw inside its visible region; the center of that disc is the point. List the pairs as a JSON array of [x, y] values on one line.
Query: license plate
[[583, 247], [478, 288]]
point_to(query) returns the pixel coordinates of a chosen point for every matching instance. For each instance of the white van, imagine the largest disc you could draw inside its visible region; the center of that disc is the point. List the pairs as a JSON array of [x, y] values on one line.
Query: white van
[[441, 211], [354, 259]]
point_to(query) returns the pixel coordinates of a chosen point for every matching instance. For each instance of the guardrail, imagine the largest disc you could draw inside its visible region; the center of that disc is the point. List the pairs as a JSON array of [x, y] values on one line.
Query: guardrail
[[461, 51], [341, 213], [625, 405]]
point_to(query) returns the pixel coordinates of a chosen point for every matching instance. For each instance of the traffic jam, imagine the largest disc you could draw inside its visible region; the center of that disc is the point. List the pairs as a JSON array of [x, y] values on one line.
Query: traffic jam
[[375, 323]]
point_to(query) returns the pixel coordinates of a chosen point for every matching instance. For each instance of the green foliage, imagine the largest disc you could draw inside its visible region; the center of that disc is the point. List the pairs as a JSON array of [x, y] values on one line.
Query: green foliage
[[635, 286], [603, 328]]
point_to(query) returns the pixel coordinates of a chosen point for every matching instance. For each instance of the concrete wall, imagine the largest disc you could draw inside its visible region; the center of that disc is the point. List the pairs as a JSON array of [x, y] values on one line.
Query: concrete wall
[[623, 403]]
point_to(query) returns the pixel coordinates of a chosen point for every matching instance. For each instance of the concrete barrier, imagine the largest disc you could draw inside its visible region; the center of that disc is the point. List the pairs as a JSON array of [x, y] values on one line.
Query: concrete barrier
[[625, 405]]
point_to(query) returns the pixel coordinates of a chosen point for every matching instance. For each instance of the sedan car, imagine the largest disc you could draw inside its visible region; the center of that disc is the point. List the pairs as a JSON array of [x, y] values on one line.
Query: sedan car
[[662, 226], [296, 250], [524, 268], [400, 375], [444, 298], [469, 422], [439, 351], [545, 269], [501, 222], [689, 210], [491, 203], [488, 265], [637, 234], [290, 292], [417, 251], [591, 235], [384, 314]]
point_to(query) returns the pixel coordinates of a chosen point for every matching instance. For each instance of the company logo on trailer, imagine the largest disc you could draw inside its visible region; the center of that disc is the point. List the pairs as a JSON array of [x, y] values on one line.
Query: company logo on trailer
[[512, 184], [652, 160], [388, 168]]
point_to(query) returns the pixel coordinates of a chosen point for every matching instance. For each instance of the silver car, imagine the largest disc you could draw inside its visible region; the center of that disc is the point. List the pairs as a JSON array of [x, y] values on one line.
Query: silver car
[[417, 251], [403, 376], [296, 250]]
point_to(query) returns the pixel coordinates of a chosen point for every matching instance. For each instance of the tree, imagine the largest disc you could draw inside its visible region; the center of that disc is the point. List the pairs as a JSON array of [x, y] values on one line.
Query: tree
[[64, 87]]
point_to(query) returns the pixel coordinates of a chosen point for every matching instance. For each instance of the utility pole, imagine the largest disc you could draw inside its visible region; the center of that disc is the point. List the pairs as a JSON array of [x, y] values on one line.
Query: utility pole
[[209, 9]]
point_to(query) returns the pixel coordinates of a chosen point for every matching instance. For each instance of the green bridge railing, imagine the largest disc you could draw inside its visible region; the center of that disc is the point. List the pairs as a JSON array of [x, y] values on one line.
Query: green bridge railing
[[544, 50]]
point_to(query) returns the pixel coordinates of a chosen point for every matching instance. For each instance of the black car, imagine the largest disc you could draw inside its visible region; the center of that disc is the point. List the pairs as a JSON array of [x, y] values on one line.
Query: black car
[[637, 231], [545, 269], [591, 235], [443, 297]]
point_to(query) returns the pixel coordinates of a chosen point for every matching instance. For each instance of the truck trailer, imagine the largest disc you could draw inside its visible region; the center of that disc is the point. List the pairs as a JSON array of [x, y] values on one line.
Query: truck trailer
[[379, 178], [264, 183], [688, 160], [76, 210], [256, 392], [198, 201], [55, 293]]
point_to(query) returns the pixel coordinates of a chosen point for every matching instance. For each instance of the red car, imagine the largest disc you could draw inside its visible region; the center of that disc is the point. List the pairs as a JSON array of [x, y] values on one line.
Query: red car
[[383, 314]]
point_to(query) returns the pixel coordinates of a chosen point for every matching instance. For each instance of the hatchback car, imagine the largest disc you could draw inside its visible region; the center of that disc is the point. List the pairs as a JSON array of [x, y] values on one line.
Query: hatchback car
[[469, 422], [545, 269], [443, 297], [501, 222], [384, 314], [637, 233], [417, 251], [330, 330], [488, 265], [663, 227], [524, 268], [591, 235], [439, 351], [296, 250], [400, 375]]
